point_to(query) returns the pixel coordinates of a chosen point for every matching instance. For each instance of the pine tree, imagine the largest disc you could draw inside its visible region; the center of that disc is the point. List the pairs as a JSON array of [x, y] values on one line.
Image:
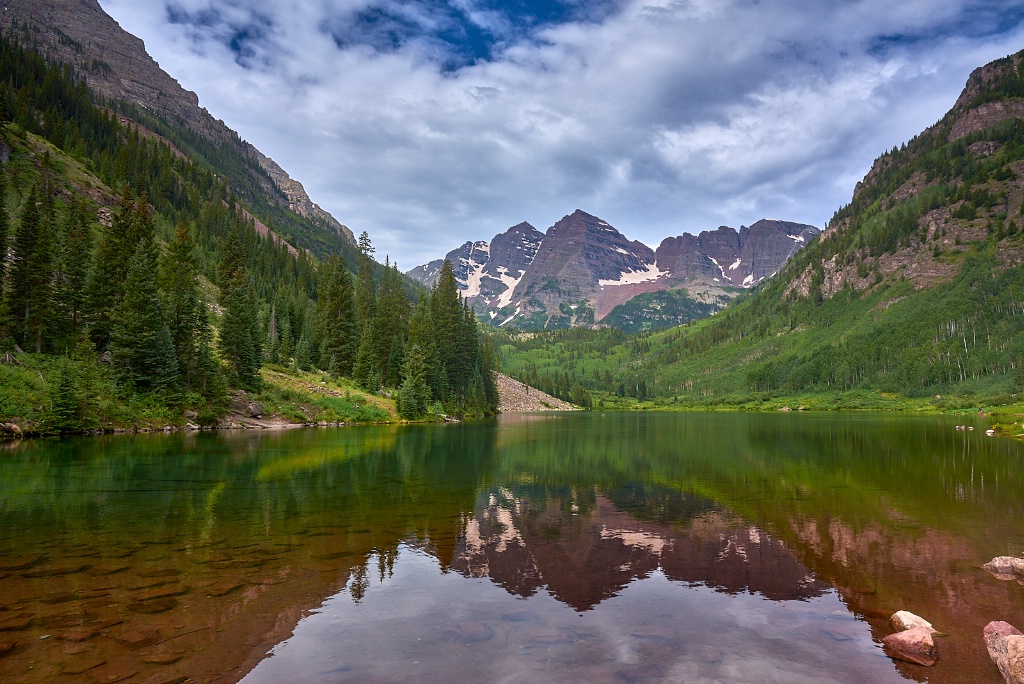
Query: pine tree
[[28, 297], [366, 287], [88, 379], [447, 318], [389, 328], [64, 399], [414, 394], [140, 341], [273, 339], [240, 343], [336, 325], [421, 333], [488, 366], [132, 223], [4, 227], [232, 258], [185, 309], [72, 274], [364, 365]]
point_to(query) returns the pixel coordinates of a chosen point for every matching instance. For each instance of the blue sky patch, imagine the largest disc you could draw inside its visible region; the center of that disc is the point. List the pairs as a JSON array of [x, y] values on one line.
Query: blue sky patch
[[461, 33]]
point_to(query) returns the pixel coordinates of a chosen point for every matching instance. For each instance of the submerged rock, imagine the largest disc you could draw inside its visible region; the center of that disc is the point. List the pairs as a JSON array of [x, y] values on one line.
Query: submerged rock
[[1005, 567], [913, 645], [470, 633], [1005, 645]]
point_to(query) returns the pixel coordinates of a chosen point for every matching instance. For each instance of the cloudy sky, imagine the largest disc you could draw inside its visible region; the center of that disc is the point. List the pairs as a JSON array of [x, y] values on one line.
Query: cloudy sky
[[427, 123]]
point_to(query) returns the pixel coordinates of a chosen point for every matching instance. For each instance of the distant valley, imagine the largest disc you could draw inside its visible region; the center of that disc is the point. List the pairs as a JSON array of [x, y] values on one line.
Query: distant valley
[[583, 271]]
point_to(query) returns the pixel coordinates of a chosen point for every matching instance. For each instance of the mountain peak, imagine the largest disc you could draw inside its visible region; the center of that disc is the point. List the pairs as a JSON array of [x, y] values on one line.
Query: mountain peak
[[582, 269]]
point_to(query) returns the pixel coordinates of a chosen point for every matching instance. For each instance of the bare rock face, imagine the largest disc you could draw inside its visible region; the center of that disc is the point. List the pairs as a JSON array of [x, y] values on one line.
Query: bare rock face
[[742, 258], [913, 646], [1005, 645], [114, 62]]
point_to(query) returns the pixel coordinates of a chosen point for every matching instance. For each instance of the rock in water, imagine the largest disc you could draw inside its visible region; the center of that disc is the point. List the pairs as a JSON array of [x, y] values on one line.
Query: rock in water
[[1005, 645], [913, 645], [903, 620], [1005, 567]]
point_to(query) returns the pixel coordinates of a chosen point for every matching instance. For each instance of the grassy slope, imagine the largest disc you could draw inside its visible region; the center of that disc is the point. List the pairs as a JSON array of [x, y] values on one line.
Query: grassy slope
[[27, 393]]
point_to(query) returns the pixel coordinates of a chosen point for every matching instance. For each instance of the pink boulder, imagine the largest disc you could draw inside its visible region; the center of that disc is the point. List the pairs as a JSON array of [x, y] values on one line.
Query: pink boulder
[[912, 645], [1005, 645]]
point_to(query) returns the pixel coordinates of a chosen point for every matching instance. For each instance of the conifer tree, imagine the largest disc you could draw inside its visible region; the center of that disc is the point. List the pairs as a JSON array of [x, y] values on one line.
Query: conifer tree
[[421, 334], [4, 228], [72, 273], [389, 328], [447, 320], [232, 258], [89, 373], [414, 395], [132, 222], [273, 337], [140, 341], [488, 366], [185, 309], [28, 296], [366, 287], [336, 325], [364, 365], [64, 400], [240, 343]]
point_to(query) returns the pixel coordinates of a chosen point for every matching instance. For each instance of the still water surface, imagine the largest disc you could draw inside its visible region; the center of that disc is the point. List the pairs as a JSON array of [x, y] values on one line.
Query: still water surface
[[608, 548]]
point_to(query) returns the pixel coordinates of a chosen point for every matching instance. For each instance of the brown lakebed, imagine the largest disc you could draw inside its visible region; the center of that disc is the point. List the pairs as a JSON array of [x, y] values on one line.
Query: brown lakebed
[[618, 547]]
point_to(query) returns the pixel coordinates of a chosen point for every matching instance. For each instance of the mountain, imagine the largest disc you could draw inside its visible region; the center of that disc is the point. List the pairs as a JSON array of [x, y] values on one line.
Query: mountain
[[583, 271], [915, 288], [116, 66]]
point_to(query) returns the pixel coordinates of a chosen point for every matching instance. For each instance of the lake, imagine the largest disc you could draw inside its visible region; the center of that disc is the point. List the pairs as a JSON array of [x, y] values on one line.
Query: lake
[[639, 547]]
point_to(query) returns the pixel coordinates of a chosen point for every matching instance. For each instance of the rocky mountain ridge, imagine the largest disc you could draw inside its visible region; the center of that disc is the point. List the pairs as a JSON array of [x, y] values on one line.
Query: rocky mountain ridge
[[582, 270], [116, 65]]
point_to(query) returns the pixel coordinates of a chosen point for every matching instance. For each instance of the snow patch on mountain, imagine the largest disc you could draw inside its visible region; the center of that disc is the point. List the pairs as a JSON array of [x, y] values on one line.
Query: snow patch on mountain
[[633, 277]]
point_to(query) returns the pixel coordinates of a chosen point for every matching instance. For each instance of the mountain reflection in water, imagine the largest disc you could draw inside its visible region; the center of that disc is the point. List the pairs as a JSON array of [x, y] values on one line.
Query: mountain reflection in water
[[629, 547], [584, 552]]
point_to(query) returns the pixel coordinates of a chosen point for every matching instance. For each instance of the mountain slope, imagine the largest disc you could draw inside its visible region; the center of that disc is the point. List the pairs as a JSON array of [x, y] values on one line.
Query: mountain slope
[[116, 65]]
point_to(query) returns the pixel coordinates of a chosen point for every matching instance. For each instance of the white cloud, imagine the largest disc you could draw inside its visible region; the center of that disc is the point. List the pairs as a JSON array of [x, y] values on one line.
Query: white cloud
[[665, 117]]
